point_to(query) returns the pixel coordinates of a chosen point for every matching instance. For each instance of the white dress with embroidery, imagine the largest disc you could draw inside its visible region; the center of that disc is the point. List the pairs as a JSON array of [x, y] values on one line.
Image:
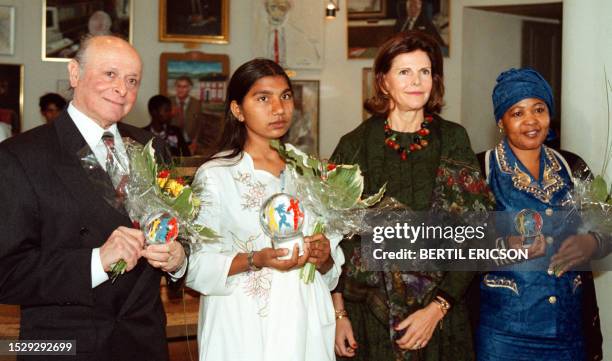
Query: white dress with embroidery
[[256, 316]]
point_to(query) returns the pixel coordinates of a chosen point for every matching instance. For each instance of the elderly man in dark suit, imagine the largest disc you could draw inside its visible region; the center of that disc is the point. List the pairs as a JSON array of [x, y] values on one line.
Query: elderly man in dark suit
[[60, 234]]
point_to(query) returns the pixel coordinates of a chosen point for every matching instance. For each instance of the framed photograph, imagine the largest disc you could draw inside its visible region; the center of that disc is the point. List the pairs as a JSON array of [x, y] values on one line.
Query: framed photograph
[[366, 9], [198, 21], [304, 131], [66, 22], [367, 32], [209, 74], [290, 32], [7, 30], [11, 96], [367, 89]]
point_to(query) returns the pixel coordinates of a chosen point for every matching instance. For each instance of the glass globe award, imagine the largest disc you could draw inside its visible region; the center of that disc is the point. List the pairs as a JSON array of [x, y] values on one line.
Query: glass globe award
[[160, 228], [282, 218], [528, 223]]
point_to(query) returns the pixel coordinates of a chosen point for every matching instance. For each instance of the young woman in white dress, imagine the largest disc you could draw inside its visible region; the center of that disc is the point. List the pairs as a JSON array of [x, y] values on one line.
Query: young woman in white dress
[[253, 305]]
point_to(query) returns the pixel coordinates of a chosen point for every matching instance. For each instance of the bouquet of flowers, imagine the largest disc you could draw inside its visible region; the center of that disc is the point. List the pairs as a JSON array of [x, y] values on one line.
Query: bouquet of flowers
[[163, 206], [333, 192]]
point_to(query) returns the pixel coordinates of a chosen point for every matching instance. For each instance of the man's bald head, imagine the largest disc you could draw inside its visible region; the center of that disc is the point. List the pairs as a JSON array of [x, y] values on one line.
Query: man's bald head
[[100, 41], [105, 75]]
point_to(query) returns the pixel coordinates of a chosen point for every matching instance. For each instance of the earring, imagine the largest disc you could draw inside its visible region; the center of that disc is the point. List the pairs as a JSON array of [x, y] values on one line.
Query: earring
[[501, 130]]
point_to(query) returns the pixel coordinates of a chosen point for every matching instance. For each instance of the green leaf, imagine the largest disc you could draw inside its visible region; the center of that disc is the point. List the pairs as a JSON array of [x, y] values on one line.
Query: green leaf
[[302, 162], [183, 204], [206, 232], [599, 189], [318, 228], [149, 155], [347, 185], [373, 199], [343, 185]]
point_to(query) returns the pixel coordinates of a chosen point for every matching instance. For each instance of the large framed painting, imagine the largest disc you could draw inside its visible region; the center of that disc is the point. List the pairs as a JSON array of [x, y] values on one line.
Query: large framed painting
[[11, 96], [304, 131], [366, 9], [7, 30], [66, 22], [209, 74], [368, 29], [199, 21], [367, 89], [290, 32]]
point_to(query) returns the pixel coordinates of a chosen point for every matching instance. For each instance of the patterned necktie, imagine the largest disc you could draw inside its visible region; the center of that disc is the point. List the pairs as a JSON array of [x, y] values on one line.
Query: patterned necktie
[[119, 180], [109, 141]]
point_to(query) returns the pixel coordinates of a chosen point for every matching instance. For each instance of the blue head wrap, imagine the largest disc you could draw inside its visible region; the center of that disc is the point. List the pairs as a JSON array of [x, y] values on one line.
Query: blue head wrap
[[515, 85]]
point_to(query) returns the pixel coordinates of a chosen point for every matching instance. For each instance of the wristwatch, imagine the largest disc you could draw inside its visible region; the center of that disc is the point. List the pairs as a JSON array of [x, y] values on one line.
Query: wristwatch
[[252, 266]]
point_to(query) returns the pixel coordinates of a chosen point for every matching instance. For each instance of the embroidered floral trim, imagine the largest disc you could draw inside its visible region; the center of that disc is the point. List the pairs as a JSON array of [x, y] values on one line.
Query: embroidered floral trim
[[522, 181], [255, 284], [498, 282], [253, 198]]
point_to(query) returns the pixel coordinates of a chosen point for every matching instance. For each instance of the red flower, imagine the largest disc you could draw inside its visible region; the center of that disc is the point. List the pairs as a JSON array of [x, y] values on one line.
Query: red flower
[[450, 181], [180, 180], [330, 167], [163, 173]]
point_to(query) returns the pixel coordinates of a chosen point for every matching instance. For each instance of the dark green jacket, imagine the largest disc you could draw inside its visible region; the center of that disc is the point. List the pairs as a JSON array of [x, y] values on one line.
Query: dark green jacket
[[417, 183]]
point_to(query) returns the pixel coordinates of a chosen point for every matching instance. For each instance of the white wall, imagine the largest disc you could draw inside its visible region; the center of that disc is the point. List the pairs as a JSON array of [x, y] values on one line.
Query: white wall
[[491, 44], [587, 50]]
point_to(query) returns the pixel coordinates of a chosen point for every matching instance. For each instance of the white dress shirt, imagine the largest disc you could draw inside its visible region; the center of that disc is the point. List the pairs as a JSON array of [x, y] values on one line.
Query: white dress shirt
[[92, 132]]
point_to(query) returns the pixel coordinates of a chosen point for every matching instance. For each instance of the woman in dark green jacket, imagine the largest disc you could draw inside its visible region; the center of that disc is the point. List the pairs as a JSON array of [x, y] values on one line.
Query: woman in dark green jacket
[[427, 163]]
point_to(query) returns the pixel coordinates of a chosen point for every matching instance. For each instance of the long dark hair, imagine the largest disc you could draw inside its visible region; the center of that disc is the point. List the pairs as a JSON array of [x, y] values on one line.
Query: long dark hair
[[234, 131], [401, 43]]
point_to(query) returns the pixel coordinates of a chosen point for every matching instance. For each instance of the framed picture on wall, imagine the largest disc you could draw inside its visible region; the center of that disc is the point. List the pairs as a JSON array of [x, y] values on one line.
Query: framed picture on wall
[[209, 74], [366, 32], [367, 89], [66, 22], [199, 21], [366, 9], [11, 96], [304, 131], [7, 30], [290, 32]]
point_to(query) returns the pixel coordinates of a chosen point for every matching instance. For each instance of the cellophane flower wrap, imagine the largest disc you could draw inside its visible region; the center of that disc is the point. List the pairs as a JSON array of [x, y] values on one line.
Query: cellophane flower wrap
[[591, 195], [154, 197], [331, 192]]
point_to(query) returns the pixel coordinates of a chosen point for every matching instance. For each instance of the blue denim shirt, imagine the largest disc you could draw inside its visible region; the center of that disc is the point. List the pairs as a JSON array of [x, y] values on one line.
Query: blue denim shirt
[[525, 299]]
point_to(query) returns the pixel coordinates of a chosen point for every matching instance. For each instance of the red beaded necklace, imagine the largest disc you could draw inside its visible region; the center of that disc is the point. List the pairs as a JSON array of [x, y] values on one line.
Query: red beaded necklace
[[417, 144]]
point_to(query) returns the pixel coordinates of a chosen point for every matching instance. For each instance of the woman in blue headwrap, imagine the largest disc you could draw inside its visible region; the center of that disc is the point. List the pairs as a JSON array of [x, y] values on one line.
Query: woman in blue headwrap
[[534, 310]]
